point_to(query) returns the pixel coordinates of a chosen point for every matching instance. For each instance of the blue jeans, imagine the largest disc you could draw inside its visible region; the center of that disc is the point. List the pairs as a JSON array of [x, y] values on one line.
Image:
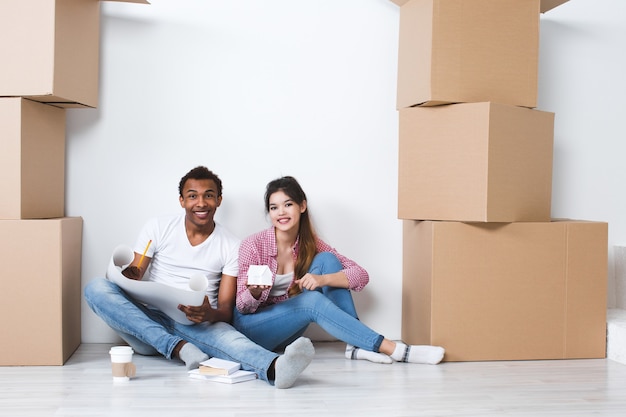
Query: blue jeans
[[331, 308], [149, 330]]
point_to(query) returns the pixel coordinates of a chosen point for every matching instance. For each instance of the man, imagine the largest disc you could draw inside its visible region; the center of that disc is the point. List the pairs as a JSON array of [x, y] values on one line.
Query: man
[[182, 245]]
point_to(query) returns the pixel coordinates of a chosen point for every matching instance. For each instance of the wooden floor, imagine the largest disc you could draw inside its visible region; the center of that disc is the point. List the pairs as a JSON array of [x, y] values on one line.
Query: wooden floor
[[330, 386]]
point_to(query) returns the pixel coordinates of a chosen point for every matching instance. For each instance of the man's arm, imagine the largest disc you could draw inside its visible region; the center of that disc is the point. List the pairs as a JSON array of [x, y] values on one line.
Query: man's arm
[[225, 304], [132, 271], [226, 299]]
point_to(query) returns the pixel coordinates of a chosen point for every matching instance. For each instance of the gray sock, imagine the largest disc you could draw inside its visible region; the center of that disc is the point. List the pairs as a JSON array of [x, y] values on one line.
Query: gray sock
[[290, 365], [192, 356]]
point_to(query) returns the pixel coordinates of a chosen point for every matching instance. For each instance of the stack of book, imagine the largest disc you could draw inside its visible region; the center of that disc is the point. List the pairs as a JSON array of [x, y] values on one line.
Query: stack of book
[[221, 370]]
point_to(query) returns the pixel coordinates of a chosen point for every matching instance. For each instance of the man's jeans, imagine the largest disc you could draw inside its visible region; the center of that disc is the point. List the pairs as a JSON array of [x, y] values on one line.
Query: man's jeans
[[135, 322]]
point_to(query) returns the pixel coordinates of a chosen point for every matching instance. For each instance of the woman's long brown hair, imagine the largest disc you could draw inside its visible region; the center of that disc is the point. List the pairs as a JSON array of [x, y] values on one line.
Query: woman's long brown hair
[[306, 234]]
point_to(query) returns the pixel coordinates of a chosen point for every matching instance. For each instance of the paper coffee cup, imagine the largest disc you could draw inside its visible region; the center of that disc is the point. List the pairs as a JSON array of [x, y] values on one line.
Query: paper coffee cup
[[122, 363]]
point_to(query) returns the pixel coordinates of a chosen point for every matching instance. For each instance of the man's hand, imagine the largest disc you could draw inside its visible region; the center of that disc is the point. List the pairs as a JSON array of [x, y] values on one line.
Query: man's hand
[[198, 314]]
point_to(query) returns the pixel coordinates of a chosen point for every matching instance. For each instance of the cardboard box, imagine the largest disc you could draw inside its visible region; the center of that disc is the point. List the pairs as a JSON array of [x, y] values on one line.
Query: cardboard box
[[50, 50], [545, 4], [460, 51], [510, 291], [40, 287], [32, 161], [482, 162]]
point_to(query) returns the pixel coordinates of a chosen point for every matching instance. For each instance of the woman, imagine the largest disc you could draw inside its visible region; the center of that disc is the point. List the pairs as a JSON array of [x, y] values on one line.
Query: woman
[[311, 282]]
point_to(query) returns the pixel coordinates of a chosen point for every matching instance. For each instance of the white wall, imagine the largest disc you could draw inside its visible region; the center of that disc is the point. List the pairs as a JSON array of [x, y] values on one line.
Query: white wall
[[258, 89]]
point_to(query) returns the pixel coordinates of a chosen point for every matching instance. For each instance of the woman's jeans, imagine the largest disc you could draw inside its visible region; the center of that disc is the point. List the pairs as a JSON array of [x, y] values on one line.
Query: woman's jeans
[[331, 308], [149, 330]]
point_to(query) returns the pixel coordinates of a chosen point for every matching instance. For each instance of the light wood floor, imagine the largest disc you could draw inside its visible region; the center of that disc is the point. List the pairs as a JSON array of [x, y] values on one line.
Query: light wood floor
[[330, 386]]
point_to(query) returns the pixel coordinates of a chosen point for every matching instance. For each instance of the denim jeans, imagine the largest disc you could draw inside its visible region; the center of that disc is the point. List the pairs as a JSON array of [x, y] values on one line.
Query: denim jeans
[[331, 308], [149, 330]]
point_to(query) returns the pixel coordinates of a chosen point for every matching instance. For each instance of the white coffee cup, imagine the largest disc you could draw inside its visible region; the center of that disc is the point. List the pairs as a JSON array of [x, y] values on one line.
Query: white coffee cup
[[122, 363]]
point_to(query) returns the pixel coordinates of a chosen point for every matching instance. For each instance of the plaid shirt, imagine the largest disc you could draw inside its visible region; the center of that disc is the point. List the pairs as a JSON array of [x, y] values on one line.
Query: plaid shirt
[[260, 249]]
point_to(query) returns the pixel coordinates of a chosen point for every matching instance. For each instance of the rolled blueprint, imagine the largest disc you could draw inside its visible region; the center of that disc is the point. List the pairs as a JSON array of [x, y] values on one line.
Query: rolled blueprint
[[155, 294]]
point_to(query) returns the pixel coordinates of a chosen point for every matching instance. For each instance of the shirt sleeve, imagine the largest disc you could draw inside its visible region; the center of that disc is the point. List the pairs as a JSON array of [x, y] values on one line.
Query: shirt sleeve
[[148, 233], [231, 263], [357, 276], [248, 255]]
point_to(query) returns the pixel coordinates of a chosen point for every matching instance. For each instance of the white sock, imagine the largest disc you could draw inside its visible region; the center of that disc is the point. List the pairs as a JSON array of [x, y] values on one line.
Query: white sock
[[192, 356], [418, 353], [290, 365], [353, 352]]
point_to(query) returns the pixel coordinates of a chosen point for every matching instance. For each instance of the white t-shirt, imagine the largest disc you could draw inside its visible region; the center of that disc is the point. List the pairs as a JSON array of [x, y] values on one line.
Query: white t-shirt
[[281, 284], [174, 260]]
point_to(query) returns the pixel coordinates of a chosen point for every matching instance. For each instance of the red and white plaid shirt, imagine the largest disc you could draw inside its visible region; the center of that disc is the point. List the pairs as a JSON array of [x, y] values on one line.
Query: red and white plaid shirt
[[260, 249]]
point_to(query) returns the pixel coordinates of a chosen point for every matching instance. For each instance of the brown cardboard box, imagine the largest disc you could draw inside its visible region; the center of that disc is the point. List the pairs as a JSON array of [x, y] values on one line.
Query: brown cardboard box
[[40, 285], [455, 51], [483, 162], [545, 4], [50, 50], [32, 161], [508, 291]]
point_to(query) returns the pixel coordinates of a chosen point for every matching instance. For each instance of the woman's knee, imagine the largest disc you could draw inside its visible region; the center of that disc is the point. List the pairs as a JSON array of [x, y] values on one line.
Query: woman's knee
[[312, 299], [325, 263]]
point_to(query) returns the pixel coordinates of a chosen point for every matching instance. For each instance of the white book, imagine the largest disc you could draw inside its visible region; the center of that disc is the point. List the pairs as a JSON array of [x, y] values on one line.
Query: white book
[[234, 378], [217, 366]]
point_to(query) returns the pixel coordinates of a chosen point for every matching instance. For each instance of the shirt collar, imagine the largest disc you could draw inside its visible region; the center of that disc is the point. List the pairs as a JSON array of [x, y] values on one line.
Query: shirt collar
[[274, 247]]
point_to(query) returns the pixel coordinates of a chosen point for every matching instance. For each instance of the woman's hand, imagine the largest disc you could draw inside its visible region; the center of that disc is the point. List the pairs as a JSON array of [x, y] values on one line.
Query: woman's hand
[[257, 290], [311, 281]]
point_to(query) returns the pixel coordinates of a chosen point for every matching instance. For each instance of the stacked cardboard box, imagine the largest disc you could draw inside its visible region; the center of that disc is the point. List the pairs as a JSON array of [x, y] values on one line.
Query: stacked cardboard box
[[50, 51], [486, 272]]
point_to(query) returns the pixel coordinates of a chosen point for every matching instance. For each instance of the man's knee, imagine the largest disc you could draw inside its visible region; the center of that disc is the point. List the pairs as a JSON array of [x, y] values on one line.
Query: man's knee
[[96, 288], [91, 288]]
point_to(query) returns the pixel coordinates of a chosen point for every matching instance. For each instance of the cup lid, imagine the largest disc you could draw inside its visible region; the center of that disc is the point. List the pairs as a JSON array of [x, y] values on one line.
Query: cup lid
[[121, 350]]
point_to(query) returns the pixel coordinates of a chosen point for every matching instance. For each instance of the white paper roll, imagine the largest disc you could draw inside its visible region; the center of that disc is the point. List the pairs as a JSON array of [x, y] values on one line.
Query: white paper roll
[[155, 294]]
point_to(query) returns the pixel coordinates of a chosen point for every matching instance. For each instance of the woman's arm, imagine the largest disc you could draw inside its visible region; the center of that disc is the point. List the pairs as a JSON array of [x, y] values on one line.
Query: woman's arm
[[353, 275], [248, 255]]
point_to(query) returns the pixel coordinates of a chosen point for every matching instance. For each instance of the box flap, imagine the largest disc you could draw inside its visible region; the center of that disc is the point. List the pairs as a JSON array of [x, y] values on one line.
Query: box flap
[[550, 4], [586, 291], [545, 4]]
